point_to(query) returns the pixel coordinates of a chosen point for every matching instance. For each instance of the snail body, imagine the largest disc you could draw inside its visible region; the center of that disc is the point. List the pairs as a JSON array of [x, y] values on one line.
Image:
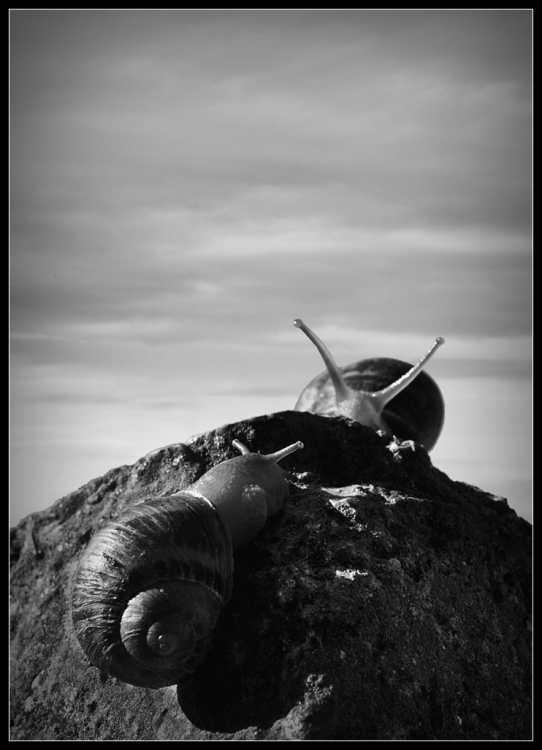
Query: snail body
[[383, 393], [151, 585]]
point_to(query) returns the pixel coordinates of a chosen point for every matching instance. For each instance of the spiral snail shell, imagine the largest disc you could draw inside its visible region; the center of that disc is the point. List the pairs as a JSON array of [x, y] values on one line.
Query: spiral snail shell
[[385, 394], [150, 586]]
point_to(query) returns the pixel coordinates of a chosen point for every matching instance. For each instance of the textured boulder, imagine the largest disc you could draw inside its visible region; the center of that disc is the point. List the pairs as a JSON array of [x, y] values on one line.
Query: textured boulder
[[385, 602]]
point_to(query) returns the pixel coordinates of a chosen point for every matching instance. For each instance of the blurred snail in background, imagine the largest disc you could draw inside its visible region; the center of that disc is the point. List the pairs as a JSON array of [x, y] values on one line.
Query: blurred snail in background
[[150, 586], [385, 394]]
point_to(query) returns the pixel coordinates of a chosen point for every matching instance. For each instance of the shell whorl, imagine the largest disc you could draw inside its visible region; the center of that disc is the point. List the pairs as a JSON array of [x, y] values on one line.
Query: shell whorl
[[150, 587]]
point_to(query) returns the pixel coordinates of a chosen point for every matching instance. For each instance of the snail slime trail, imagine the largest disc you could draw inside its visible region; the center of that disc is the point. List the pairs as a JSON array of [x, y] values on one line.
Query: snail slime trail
[[386, 394], [150, 585]]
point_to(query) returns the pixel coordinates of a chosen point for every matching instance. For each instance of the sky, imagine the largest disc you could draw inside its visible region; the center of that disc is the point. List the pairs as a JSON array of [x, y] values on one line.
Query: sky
[[184, 183]]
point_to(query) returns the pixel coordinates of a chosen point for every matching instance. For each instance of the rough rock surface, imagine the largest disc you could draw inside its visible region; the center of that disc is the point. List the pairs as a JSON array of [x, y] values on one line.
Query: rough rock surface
[[386, 602]]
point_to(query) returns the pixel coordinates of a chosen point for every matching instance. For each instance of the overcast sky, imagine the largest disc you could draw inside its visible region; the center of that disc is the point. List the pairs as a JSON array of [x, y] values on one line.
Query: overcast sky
[[185, 183]]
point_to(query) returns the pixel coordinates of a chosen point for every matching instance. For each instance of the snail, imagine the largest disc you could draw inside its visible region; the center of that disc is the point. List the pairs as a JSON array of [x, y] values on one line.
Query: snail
[[385, 394], [150, 586]]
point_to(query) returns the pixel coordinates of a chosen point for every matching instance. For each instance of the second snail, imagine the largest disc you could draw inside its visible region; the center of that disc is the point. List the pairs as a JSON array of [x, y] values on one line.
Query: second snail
[[383, 393]]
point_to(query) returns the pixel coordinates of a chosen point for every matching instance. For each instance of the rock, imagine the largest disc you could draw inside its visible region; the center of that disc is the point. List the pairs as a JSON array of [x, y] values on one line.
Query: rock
[[385, 602]]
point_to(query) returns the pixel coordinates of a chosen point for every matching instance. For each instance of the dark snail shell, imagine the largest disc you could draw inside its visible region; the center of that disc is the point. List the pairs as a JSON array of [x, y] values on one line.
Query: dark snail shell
[[416, 413], [149, 590]]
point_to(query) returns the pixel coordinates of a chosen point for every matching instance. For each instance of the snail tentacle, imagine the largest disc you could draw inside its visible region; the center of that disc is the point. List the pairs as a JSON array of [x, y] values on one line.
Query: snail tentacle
[[279, 455], [386, 394], [241, 448], [271, 457], [342, 391]]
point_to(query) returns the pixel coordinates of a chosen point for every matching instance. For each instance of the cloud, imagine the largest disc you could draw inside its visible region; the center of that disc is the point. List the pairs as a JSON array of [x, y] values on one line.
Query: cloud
[[212, 104]]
